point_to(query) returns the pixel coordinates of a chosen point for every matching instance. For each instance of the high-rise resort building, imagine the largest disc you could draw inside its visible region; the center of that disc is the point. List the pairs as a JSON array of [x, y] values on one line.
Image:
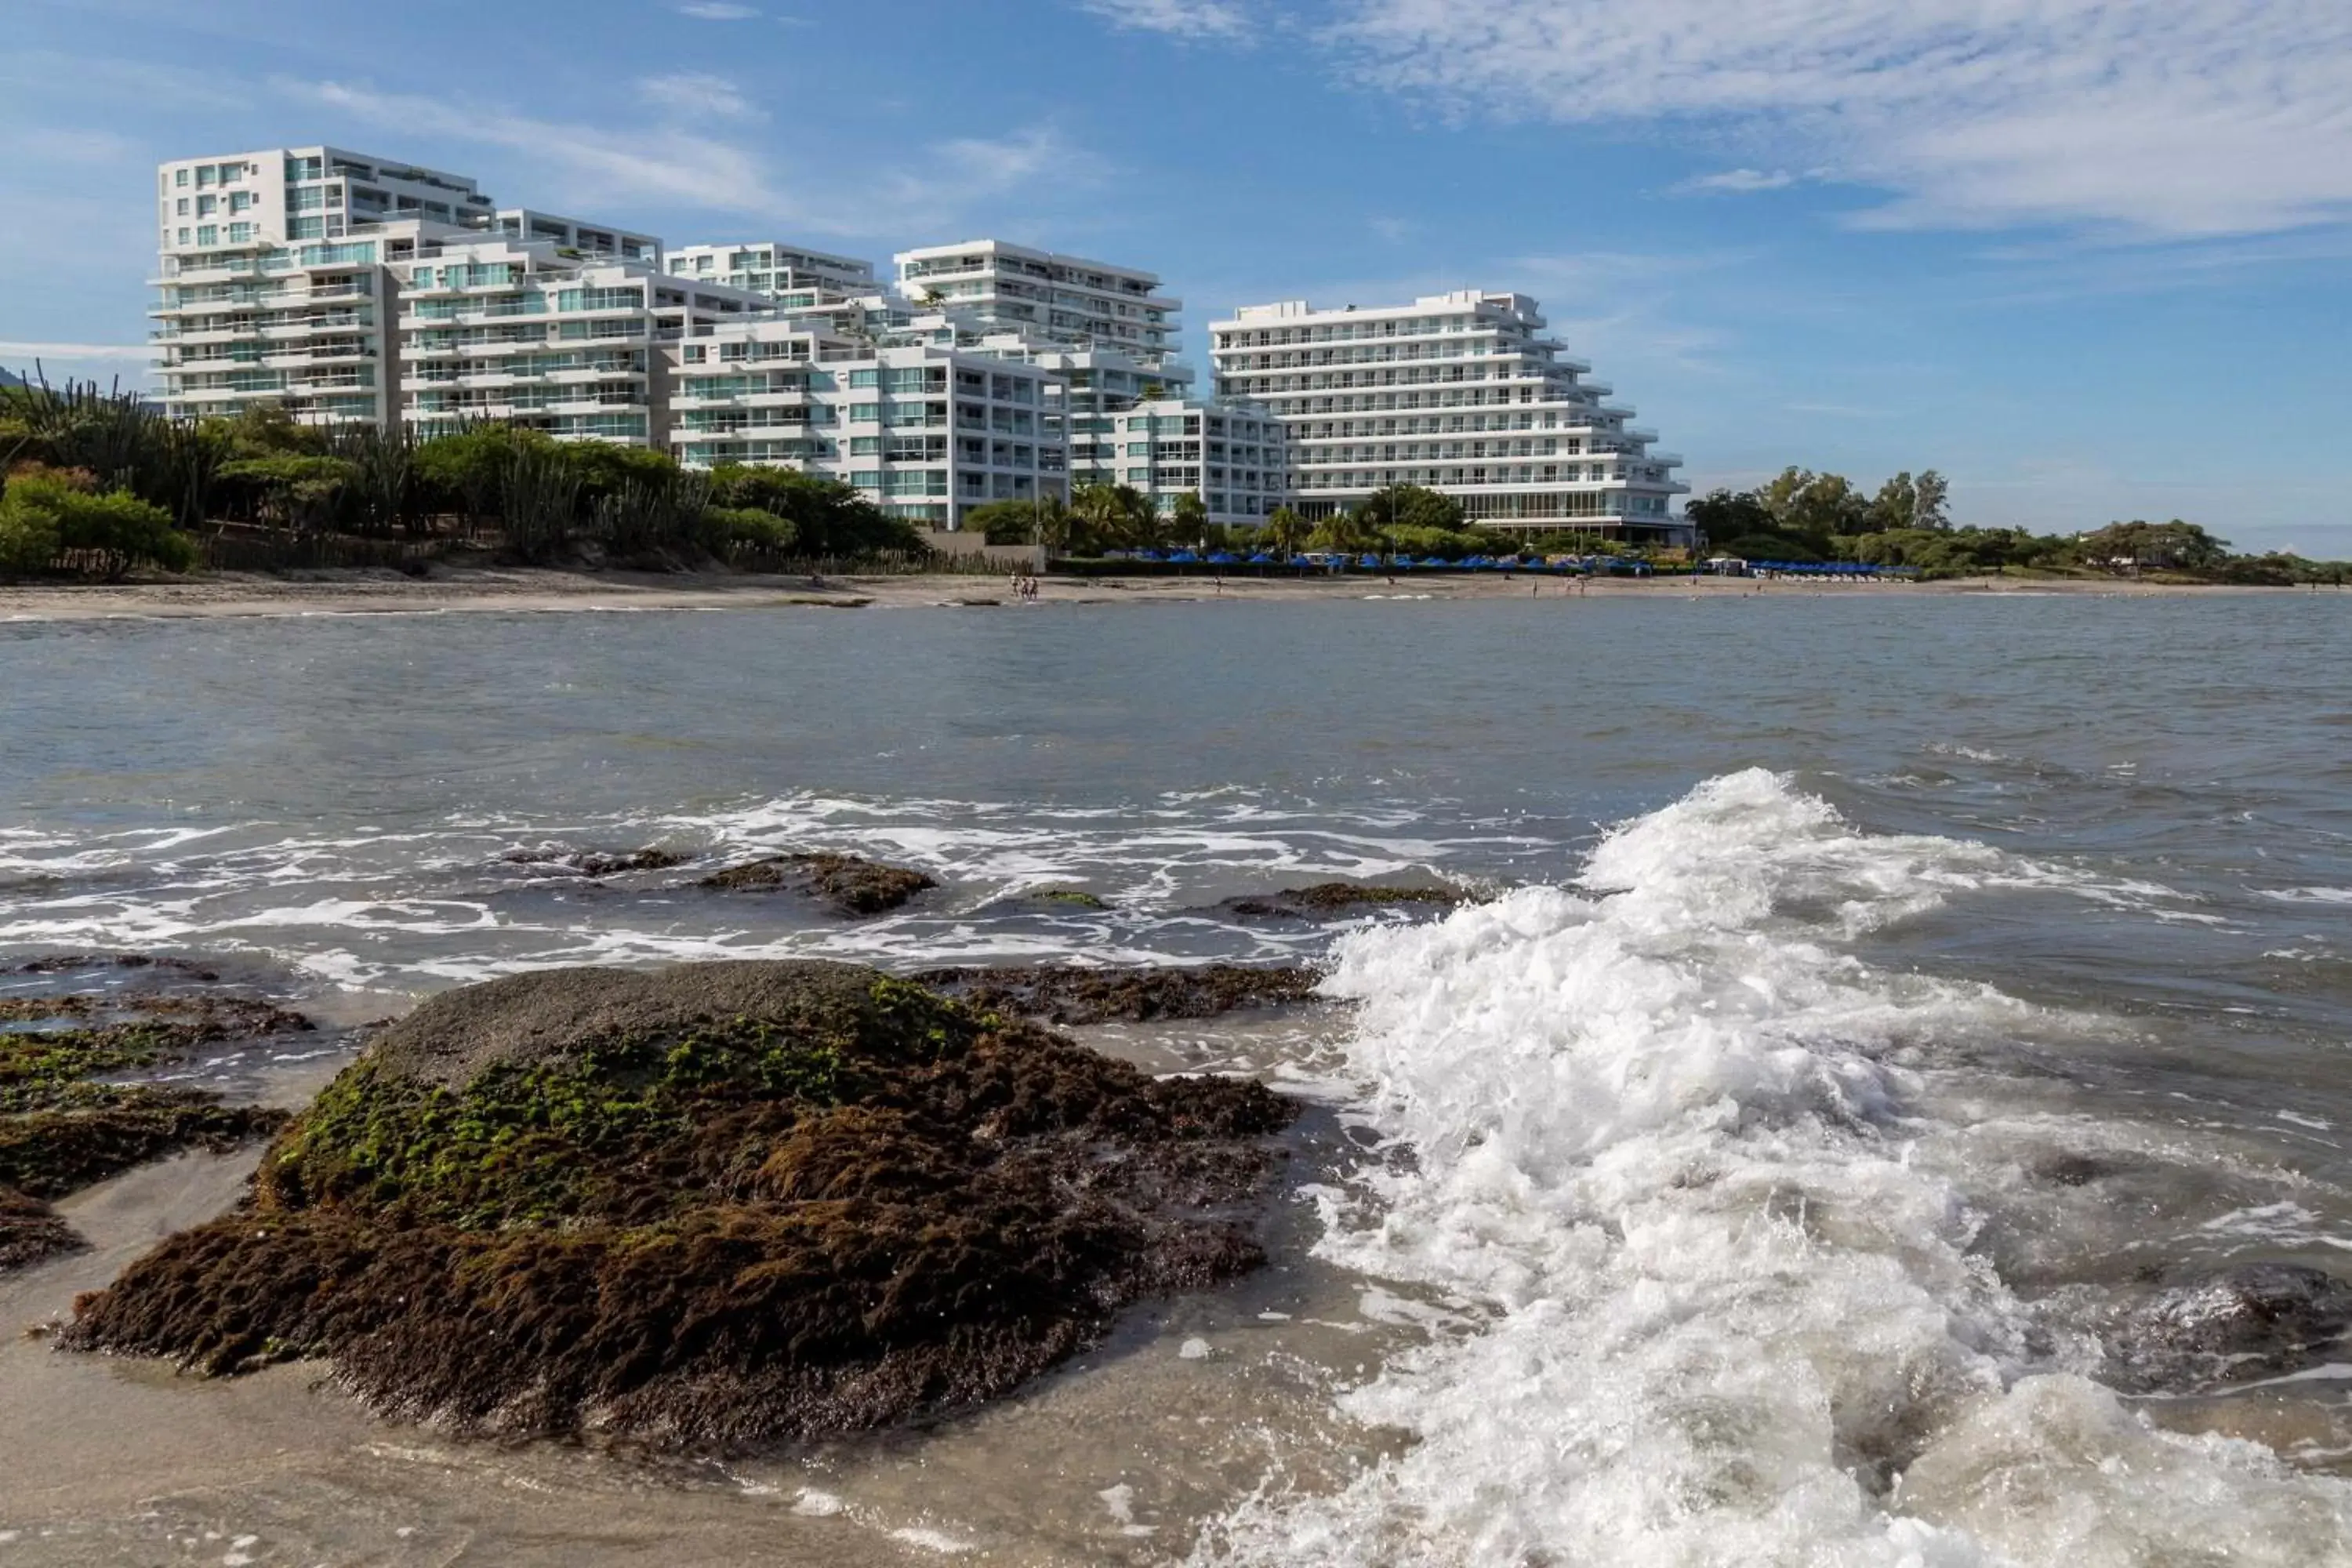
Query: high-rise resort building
[[547, 332], [790, 274], [1088, 304], [272, 285], [926, 431], [1462, 392]]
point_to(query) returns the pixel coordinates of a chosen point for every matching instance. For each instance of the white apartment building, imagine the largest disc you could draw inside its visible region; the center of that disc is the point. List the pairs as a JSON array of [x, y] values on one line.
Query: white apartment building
[[926, 432], [547, 334], [1461, 393], [571, 237], [272, 283], [791, 274], [1070, 299], [1232, 456]]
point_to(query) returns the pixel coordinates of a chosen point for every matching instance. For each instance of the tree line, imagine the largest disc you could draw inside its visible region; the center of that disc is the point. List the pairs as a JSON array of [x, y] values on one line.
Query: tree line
[[1805, 517], [96, 482], [1397, 518]]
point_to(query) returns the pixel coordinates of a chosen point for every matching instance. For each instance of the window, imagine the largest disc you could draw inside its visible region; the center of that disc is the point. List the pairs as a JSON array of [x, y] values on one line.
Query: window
[[184, 237], [240, 233], [208, 234], [868, 378], [305, 229], [205, 205], [180, 178], [181, 207], [238, 200]]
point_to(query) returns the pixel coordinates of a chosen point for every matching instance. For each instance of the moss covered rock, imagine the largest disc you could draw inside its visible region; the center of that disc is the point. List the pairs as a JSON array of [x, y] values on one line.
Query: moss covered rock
[[706, 1207], [1326, 901], [1066, 994], [847, 884], [64, 1126]]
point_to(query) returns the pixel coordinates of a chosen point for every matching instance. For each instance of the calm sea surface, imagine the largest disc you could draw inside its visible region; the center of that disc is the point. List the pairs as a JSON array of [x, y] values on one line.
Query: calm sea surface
[[1881, 999]]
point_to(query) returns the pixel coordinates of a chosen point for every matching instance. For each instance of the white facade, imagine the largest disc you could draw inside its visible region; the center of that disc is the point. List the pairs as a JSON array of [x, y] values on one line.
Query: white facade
[[792, 274], [272, 282], [1070, 299], [1460, 393], [546, 336], [1232, 456], [925, 432]]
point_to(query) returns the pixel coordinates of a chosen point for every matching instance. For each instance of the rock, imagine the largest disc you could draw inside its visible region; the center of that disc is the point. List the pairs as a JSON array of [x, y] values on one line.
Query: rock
[[706, 1207], [1063, 994], [1050, 901], [31, 1232], [592, 863], [1326, 900], [63, 1127], [2259, 1319], [848, 884]]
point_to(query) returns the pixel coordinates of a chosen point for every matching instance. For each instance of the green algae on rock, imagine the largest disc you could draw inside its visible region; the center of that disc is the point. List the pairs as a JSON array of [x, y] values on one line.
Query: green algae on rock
[[1071, 996], [707, 1207], [1326, 900], [61, 1131], [847, 884]]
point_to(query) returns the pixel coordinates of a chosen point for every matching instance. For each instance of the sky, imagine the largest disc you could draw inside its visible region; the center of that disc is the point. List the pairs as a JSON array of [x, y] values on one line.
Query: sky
[[2090, 259]]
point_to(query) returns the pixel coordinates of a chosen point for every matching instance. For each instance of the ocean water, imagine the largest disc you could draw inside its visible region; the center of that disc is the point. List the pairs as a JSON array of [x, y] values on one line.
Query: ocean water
[[1873, 1002]]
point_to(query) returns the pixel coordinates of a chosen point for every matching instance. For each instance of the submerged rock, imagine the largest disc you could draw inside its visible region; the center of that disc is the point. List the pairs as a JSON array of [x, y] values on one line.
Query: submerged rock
[[1063, 994], [31, 1232], [2261, 1318], [1324, 901], [848, 884], [712, 1205], [594, 863], [62, 1128], [1050, 901]]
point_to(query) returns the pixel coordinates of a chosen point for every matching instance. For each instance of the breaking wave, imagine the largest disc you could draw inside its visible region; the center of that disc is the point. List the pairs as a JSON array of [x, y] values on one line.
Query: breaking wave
[[1649, 1145]]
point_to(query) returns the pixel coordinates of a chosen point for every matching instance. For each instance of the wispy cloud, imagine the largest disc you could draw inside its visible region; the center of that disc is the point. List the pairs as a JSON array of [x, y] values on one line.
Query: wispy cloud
[[717, 11], [1180, 18], [2156, 118], [1737, 181], [596, 167], [699, 95]]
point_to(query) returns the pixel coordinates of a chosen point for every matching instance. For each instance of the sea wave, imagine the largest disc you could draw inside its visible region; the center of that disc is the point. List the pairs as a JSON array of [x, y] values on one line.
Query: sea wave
[[1651, 1139]]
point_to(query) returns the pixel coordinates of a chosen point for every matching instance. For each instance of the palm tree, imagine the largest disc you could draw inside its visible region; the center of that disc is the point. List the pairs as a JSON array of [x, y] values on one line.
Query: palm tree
[[1285, 530]]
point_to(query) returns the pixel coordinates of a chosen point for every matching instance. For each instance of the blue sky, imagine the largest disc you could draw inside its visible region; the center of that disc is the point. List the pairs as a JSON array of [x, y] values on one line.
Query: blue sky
[[2092, 259]]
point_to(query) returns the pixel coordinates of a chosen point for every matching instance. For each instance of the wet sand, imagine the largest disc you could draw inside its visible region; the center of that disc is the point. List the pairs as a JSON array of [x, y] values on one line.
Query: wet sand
[[521, 589]]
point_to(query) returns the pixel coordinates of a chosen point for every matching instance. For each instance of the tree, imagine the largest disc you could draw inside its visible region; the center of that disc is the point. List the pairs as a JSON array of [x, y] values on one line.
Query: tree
[[1190, 518], [1284, 530], [1931, 497], [1726, 515], [1896, 504], [2137, 543], [1409, 506]]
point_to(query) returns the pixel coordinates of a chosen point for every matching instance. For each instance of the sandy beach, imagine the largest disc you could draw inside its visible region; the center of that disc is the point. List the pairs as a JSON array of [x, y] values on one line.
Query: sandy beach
[[518, 589]]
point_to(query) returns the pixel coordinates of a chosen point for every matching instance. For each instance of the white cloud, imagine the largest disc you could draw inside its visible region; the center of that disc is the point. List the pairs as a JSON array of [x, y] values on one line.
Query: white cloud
[[2151, 118], [699, 93], [600, 168], [1181, 18], [605, 165], [717, 11], [1738, 182]]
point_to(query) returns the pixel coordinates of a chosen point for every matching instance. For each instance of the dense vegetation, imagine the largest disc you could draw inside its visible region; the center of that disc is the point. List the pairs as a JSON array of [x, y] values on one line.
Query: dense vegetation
[[97, 482], [1102, 517], [1805, 517]]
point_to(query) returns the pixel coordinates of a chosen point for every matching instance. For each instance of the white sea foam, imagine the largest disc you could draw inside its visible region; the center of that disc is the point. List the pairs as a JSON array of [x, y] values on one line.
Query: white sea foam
[[1718, 1315]]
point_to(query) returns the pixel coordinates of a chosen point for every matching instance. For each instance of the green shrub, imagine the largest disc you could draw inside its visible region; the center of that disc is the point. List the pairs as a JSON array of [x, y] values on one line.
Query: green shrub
[[49, 512]]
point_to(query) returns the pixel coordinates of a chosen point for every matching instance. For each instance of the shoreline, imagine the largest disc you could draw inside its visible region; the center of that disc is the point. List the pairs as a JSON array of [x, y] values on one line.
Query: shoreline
[[543, 590]]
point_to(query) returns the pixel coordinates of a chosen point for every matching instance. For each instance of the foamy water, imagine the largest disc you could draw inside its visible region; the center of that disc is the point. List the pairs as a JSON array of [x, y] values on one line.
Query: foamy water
[[1714, 1309]]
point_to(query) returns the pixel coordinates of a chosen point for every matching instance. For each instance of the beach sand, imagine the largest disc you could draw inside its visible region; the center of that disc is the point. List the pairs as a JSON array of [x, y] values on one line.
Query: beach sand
[[521, 589]]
